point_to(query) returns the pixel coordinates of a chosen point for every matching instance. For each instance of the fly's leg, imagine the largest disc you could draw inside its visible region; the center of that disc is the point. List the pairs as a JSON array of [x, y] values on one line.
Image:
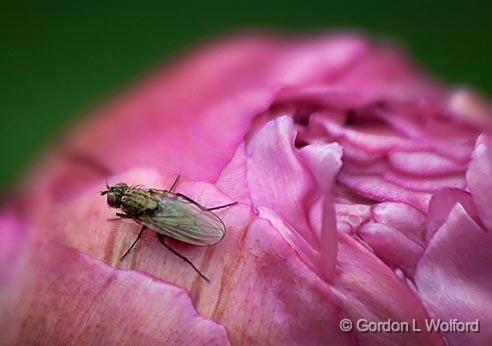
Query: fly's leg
[[121, 216], [222, 206], [187, 198], [194, 202], [209, 209], [162, 241], [136, 240], [174, 183]]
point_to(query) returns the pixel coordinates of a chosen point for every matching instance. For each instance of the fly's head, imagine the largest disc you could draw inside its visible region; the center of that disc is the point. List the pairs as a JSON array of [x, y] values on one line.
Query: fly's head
[[114, 194]]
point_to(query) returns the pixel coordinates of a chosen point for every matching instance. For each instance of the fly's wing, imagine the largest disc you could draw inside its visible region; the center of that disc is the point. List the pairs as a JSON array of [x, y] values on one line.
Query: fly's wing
[[186, 221]]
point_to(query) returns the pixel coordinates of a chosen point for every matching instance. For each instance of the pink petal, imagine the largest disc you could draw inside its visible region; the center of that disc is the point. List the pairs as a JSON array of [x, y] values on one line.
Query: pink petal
[[401, 217], [392, 246], [453, 277], [425, 184], [368, 289], [324, 162], [441, 205], [353, 214], [409, 182], [375, 139], [471, 108], [422, 123], [292, 263], [320, 95], [92, 303], [423, 163], [265, 289], [277, 180], [249, 269], [376, 188], [12, 237], [478, 179], [384, 74], [232, 180], [358, 155]]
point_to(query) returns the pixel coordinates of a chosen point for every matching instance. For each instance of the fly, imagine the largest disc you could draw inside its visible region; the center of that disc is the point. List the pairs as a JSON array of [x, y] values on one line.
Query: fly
[[168, 214]]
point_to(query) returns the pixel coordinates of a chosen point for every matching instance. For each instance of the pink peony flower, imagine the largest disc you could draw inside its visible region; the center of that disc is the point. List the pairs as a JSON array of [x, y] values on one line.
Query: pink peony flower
[[364, 194]]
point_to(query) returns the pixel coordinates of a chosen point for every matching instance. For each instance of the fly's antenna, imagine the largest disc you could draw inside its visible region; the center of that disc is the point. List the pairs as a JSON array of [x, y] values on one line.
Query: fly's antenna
[[102, 193]]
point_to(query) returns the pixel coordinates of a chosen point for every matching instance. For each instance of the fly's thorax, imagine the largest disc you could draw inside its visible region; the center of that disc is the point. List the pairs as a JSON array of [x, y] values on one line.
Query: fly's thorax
[[137, 202]]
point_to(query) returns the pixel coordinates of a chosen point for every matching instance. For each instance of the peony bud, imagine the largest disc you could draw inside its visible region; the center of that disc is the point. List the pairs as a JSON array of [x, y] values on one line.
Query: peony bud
[[363, 192]]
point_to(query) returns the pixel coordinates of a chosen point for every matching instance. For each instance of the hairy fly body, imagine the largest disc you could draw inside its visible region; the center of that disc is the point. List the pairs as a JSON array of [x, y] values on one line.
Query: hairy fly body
[[168, 214]]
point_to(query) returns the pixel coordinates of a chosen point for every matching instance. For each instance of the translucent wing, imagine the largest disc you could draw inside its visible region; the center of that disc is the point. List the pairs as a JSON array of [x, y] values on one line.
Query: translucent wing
[[180, 218]]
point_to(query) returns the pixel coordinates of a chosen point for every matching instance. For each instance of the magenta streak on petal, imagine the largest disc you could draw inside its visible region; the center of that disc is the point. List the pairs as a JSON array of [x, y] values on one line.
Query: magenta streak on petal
[[392, 246], [402, 217], [441, 205], [424, 163], [453, 276], [479, 179]]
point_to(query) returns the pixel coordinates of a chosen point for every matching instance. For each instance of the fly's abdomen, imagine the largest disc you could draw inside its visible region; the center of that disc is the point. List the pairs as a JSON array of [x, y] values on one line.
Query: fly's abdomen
[[137, 202]]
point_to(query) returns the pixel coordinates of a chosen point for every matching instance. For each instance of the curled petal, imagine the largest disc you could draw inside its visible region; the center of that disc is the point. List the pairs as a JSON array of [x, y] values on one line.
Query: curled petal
[[324, 161], [276, 178]]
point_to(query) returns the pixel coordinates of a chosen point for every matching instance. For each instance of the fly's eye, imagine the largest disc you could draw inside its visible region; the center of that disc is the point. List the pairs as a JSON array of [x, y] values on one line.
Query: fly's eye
[[113, 200]]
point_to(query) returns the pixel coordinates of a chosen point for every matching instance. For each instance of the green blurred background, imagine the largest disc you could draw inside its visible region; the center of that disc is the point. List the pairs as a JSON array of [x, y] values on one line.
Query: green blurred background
[[59, 59]]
